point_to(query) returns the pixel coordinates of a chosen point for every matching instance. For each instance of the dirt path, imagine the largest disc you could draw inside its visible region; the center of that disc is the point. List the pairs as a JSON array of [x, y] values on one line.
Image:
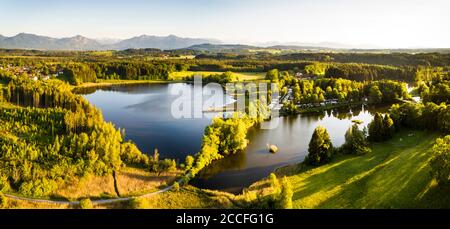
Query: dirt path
[[103, 201]]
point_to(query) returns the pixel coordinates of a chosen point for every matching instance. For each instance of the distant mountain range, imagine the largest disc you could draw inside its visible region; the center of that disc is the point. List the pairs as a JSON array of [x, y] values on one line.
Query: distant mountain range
[[172, 42], [32, 41], [164, 43]]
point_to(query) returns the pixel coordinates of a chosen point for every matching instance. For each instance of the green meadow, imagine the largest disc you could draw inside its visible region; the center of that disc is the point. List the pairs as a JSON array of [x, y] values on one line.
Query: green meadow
[[394, 175]]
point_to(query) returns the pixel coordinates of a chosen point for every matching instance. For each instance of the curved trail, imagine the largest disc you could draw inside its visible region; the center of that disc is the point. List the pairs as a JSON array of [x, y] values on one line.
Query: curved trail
[[102, 201]]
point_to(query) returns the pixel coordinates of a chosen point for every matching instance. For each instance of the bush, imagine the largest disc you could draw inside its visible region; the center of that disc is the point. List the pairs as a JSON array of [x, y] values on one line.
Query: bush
[[355, 141], [4, 183], [3, 201], [86, 204], [285, 198], [440, 163], [176, 187], [189, 161], [139, 203], [273, 180]]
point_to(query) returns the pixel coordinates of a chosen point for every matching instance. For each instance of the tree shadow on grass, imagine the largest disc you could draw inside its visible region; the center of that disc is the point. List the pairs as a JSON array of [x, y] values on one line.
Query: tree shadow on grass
[[392, 176]]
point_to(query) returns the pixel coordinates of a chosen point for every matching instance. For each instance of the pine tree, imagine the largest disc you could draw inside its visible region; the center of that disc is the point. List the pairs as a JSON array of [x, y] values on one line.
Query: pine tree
[[320, 147]]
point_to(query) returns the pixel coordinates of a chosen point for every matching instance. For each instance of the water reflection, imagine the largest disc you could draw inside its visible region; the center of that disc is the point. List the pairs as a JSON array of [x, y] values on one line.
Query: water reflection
[[144, 111], [291, 137]]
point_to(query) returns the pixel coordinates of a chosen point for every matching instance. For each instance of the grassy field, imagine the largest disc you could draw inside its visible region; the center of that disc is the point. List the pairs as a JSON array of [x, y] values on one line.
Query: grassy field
[[173, 77], [243, 76], [186, 198], [394, 175], [130, 181]]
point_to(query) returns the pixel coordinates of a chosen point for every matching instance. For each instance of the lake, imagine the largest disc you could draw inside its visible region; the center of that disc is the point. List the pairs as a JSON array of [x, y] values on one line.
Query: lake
[[144, 111]]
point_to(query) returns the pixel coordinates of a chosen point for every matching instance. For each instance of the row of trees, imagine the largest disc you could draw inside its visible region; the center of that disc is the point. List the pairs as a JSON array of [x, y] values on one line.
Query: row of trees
[[224, 78], [434, 87], [395, 59], [321, 151], [318, 90], [418, 116], [76, 73], [429, 116], [367, 72]]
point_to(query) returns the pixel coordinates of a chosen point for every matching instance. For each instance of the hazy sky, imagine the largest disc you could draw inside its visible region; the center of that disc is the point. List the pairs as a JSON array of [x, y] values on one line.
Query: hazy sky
[[384, 23]]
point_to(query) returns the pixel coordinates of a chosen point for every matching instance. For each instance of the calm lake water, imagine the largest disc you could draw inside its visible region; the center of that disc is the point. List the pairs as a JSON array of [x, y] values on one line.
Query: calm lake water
[[144, 111]]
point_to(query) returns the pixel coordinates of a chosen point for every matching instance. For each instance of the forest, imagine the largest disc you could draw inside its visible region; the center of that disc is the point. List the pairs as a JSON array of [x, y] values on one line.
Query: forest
[[50, 135]]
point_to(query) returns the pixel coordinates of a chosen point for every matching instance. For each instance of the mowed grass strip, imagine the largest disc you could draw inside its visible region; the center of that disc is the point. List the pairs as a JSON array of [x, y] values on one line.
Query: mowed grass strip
[[394, 175]]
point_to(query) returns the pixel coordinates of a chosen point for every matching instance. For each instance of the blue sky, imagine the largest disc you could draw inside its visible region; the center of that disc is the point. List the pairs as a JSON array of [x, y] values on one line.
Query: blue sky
[[383, 23]]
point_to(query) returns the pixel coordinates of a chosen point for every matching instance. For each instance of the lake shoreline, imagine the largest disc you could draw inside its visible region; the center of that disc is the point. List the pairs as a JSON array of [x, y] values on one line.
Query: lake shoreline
[[107, 83]]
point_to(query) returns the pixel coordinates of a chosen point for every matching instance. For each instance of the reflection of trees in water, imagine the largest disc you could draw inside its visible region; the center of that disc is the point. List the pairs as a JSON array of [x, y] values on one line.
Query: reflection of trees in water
[[85, 90], [125, 88], [232, 162], [349, 112]]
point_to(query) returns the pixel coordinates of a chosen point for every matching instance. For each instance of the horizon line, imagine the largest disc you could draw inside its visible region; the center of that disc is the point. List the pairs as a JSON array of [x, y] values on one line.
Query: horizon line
[[318, 44]]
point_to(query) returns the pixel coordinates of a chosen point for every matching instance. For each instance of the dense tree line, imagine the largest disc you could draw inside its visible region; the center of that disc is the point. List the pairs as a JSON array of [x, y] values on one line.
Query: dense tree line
[[434, 85], [395, 59], [76, 71], [133, 70], [367, 72], [429, 116], [224, 78], [315, 91]]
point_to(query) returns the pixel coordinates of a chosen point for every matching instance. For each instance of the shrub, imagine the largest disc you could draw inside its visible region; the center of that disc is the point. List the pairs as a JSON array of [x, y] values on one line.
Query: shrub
[[4, 183], [273, 180], [440, 163], [3, 201], [139, 203], [285, 196], [176, 187], [86, 204], [189, 161], [355, 141]]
